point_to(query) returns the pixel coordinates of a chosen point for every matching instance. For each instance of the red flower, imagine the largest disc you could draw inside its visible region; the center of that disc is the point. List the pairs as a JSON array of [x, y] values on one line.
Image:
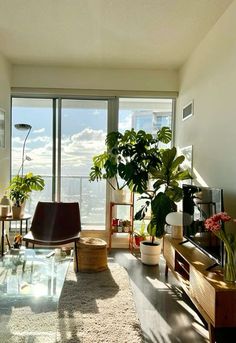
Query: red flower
[[214, 223]]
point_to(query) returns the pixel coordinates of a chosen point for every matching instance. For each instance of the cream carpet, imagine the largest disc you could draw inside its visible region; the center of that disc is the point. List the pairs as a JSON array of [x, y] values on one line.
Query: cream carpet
[[98, 308], [93, 308]]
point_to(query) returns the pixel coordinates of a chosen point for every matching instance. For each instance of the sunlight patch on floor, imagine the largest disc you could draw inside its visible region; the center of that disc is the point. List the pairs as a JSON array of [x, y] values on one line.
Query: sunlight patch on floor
[[201, 330], [156, 283], [190, 311]]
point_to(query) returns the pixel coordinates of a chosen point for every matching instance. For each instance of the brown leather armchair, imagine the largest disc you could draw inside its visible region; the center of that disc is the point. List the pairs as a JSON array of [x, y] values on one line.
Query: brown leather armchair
[[55, 223]]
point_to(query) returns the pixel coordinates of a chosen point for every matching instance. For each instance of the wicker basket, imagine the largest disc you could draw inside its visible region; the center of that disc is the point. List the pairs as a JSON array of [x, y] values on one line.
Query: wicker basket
[[92, 255]]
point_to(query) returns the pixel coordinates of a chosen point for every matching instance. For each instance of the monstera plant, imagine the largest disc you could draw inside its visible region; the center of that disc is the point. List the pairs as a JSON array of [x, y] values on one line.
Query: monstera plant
[[129, 158], [20, 189]]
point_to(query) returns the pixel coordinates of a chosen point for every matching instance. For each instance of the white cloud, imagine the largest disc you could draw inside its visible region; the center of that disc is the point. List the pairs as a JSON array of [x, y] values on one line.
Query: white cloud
[[77, 152], [39, 130], [17, 140], [125, 124], [42, 139], [86, 141]]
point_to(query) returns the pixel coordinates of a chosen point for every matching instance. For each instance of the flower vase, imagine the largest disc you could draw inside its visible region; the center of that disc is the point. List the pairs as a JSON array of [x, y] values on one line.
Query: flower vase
[[229, 266]]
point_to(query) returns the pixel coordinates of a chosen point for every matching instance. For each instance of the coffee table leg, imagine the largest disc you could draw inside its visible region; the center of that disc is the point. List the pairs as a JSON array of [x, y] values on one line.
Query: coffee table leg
[[26, 226], [21, 227], [2, 237]]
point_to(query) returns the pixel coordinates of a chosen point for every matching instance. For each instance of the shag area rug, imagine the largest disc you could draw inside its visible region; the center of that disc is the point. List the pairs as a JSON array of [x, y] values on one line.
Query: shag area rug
[[98, 308], [93, 308]]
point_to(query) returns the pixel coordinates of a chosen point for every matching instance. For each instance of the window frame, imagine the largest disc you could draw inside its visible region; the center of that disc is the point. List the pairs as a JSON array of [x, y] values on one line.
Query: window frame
[[112, 98]]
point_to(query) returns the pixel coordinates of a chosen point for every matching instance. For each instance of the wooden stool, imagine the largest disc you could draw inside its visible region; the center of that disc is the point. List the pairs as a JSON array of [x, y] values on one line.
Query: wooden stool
[[92, 255]]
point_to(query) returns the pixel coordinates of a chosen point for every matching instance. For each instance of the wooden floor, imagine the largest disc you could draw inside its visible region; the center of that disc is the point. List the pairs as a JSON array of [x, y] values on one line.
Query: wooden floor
[[166, 314]]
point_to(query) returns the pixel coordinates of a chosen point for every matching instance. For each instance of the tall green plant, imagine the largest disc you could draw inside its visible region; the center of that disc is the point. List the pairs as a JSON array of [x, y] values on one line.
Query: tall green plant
[[165, 192], [129, 158]]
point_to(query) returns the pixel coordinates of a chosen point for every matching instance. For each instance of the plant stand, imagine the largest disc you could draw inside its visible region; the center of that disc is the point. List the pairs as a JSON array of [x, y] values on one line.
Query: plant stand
[[113, 230]]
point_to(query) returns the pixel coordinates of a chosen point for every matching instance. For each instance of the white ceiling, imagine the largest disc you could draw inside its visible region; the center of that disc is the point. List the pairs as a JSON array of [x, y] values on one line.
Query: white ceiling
[[148, 34]]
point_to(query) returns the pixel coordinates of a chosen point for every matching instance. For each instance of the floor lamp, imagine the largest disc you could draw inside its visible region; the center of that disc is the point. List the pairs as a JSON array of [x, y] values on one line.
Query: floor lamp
[[23, 127]]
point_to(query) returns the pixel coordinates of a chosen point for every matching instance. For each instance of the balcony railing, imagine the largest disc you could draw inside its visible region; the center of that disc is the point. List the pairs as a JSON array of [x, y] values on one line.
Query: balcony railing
[[90, 195]]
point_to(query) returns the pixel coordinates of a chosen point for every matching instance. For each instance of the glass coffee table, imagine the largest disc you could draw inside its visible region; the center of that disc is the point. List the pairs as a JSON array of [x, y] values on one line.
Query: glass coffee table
[[33, 273]]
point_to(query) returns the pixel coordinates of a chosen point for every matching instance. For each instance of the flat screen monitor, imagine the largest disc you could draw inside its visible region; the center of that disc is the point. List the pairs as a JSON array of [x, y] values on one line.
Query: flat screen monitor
[[201, 203]]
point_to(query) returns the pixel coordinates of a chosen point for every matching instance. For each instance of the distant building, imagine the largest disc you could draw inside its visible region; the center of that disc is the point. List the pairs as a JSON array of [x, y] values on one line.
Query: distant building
[[151, 121]]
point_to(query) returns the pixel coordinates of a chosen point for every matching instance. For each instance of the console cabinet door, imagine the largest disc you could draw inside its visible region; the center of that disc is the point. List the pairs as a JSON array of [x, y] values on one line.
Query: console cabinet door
[[203, 292], [169, 253]]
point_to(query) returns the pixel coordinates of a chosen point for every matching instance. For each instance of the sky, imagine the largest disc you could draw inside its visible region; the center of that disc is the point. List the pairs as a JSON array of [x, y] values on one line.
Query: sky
[[83, 132]]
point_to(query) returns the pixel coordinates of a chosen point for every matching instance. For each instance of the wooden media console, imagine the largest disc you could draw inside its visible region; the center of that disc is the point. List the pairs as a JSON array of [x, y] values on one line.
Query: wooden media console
[[214, 299]]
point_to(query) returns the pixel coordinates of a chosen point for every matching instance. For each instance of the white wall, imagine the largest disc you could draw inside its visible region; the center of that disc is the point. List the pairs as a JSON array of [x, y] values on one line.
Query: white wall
[[100, 79], [209, 78], [5, 105]]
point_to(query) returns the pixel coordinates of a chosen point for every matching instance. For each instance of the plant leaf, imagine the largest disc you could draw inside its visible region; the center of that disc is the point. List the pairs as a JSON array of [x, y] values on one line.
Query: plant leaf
[[164, 134]]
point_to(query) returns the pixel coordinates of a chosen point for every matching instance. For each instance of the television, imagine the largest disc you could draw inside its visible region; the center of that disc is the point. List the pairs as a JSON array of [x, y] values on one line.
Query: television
[[201, 203]]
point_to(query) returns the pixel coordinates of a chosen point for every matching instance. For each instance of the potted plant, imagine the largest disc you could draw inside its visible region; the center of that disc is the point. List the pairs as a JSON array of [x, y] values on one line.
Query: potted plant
[[162, 198], [140, 235], [128, 159], [20, 189]]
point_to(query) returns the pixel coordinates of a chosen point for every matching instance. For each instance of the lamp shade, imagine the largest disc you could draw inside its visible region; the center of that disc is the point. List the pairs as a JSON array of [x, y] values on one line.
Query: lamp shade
[[178, 218], [23, 127]]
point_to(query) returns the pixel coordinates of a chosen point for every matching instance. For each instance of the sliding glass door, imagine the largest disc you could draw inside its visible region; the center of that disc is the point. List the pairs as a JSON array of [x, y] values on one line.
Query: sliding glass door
[[39, 146], [83, 131], [67, 133]]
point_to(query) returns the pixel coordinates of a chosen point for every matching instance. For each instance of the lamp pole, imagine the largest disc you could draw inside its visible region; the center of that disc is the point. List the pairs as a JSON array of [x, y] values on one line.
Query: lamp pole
[[23, 127]]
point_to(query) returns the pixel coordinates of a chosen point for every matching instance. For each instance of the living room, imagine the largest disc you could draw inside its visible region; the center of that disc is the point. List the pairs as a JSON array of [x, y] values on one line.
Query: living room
[[197, 66]]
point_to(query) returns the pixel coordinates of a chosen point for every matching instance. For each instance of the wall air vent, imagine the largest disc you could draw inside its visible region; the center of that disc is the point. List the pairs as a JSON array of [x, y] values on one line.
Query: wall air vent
[[188, 110]]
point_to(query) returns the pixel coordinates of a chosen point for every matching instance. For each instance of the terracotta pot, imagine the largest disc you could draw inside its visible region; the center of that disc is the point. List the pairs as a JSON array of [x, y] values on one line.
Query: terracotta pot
[[138, 239], [17, 212]]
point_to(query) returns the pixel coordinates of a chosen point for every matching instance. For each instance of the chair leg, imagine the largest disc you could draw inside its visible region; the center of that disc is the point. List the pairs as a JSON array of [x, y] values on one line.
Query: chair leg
[[76, 258]]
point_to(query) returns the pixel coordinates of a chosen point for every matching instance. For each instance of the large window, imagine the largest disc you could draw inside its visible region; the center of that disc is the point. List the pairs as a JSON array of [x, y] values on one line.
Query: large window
[[66, 134], [145, 114], [83, 131], [148, 115], [39, 146]]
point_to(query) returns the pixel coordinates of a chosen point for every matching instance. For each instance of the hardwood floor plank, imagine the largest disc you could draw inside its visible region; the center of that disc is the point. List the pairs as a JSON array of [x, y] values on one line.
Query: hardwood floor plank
[[165, 312]]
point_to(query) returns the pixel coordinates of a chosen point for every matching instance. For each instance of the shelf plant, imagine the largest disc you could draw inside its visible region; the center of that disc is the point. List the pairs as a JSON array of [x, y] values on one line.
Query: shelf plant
[[141, 234]]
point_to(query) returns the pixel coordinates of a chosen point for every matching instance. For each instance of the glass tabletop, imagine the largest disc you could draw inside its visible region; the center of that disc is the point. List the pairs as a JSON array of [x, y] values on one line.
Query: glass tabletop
[[33, 273]]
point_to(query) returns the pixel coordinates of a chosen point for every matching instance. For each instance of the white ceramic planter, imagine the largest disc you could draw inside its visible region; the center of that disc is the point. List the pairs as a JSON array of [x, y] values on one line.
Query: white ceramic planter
[[150, 253]]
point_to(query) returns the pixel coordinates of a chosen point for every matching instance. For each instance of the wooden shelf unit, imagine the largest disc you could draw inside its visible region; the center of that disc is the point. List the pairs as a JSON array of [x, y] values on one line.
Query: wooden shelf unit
[[214, 299], [131, 218]]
